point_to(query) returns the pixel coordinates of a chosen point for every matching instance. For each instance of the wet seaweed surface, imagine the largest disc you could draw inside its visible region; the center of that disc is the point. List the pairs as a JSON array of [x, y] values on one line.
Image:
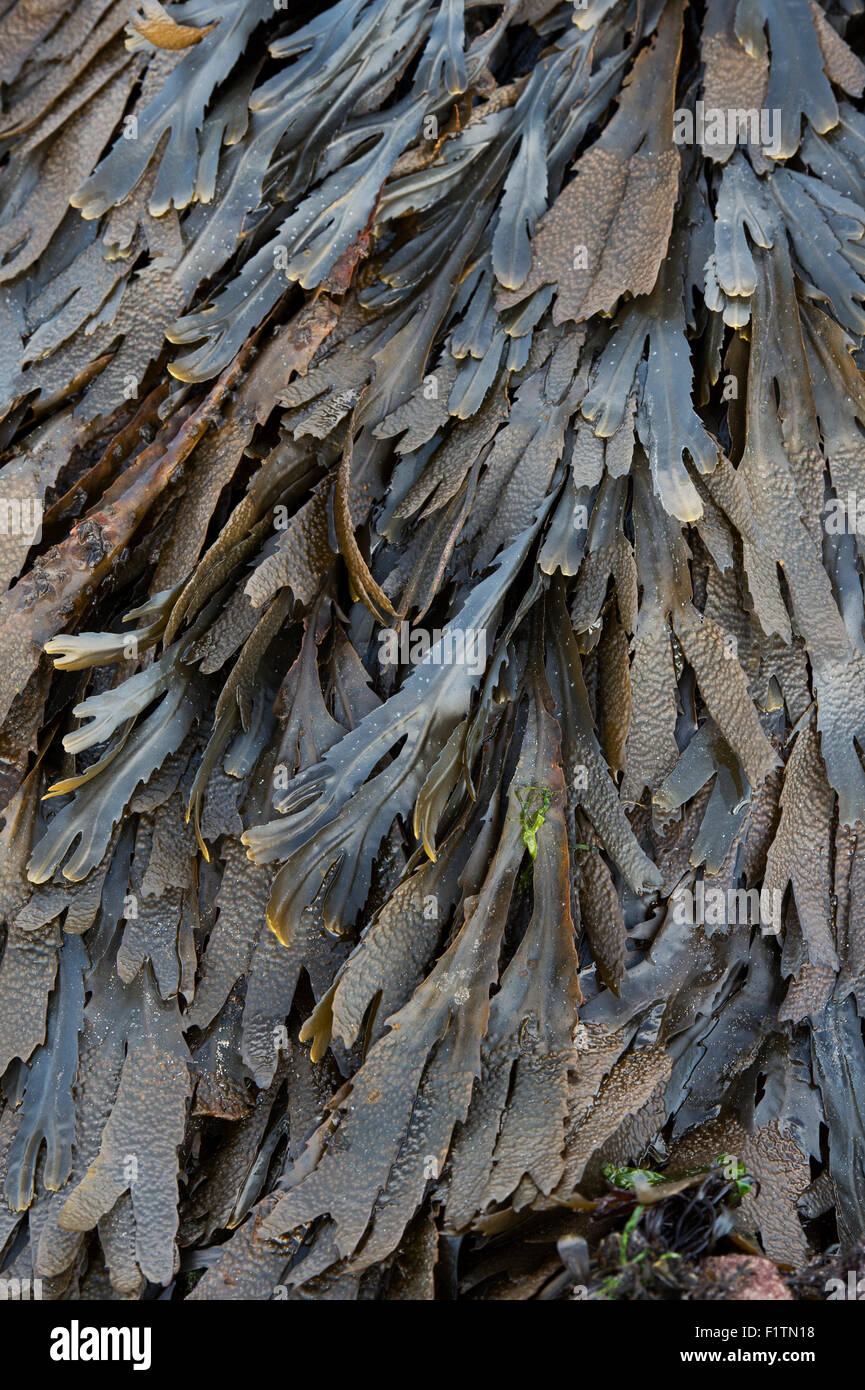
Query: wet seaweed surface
[[432, 661]]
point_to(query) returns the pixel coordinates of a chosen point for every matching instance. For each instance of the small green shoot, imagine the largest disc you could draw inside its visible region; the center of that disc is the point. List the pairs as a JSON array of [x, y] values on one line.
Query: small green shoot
[[534, 804]]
